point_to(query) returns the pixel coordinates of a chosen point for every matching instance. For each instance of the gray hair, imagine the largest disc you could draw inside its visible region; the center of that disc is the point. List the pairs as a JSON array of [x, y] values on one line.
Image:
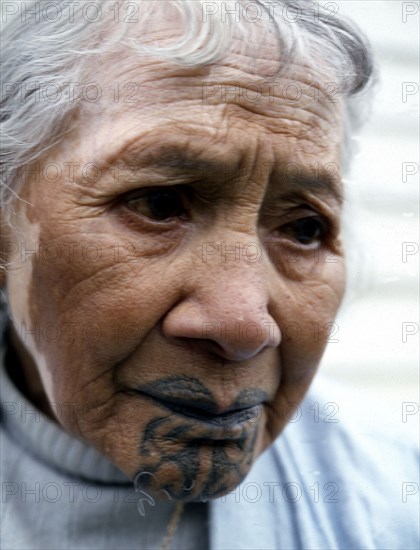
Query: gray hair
[[46, 45]]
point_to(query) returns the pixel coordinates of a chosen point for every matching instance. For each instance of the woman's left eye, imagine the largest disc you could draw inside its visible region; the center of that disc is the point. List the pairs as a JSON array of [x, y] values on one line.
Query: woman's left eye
[[306, 231], [159, 204]]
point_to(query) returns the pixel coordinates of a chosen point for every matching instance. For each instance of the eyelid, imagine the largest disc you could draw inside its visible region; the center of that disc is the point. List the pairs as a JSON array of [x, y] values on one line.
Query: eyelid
[[143, 191], [294, 213], [322, 221], [329, 221], [143, 220], [310, 214]]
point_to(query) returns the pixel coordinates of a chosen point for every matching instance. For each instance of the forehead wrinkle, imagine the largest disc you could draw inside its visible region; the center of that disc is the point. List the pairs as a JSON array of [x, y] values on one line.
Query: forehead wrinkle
[[180, 152]]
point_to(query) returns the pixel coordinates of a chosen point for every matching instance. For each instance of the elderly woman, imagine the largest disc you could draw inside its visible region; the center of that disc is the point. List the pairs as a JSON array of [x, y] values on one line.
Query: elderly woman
[[172, 265]]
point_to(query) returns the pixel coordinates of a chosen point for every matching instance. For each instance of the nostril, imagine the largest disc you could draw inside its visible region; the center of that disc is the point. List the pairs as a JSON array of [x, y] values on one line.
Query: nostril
[[235, 333], [238, 353], [221, 352]]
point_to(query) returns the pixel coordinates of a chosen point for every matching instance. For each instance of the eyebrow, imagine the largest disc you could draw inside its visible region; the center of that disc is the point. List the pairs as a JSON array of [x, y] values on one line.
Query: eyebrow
[[323, 183], [180, 159], [176, 156]]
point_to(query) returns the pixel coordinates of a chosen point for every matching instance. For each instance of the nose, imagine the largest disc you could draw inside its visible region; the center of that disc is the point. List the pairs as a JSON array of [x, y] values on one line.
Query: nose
[[225, 311]]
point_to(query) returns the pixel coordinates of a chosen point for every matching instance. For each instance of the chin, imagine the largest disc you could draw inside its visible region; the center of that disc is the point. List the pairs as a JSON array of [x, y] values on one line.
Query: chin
[[166, 484], [188, 460]]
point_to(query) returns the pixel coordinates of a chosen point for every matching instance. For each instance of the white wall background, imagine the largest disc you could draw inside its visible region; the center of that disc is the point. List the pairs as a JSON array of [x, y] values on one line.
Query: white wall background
[[371, 353]]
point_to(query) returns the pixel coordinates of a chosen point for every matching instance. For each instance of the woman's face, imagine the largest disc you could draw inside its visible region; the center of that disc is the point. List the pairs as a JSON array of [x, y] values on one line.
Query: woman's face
[[176, 265]]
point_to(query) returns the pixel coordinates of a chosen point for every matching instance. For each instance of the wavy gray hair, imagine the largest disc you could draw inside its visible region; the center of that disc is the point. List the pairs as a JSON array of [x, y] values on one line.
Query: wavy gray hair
[[49, 44]]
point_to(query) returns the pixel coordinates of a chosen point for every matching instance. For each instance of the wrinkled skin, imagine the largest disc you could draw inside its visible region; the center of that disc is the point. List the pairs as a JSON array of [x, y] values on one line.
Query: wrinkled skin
[[160, 299]]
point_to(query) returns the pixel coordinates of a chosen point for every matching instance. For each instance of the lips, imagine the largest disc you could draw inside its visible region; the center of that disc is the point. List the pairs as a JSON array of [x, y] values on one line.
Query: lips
[[189, 397], [191, 410]]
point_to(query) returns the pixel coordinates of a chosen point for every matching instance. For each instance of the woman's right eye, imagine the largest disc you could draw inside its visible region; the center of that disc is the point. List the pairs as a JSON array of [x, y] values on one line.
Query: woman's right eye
[[308, 231], [159, 204]]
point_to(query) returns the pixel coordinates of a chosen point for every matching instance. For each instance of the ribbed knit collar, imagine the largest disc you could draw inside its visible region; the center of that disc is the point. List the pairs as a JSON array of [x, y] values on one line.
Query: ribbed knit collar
[[47, 440]]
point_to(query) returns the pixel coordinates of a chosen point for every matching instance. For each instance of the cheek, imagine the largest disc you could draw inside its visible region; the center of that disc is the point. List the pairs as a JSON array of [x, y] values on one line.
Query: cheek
[[312, 323], [308, 327], [81, 305]]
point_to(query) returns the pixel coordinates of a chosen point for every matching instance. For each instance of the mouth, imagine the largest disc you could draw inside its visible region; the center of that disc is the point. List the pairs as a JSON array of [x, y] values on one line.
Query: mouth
[[224, 419], [190, 398]]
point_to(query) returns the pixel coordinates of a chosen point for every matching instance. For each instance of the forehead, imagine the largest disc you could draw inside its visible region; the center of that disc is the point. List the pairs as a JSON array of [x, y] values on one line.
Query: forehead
[[229, 107], [215, 105]]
